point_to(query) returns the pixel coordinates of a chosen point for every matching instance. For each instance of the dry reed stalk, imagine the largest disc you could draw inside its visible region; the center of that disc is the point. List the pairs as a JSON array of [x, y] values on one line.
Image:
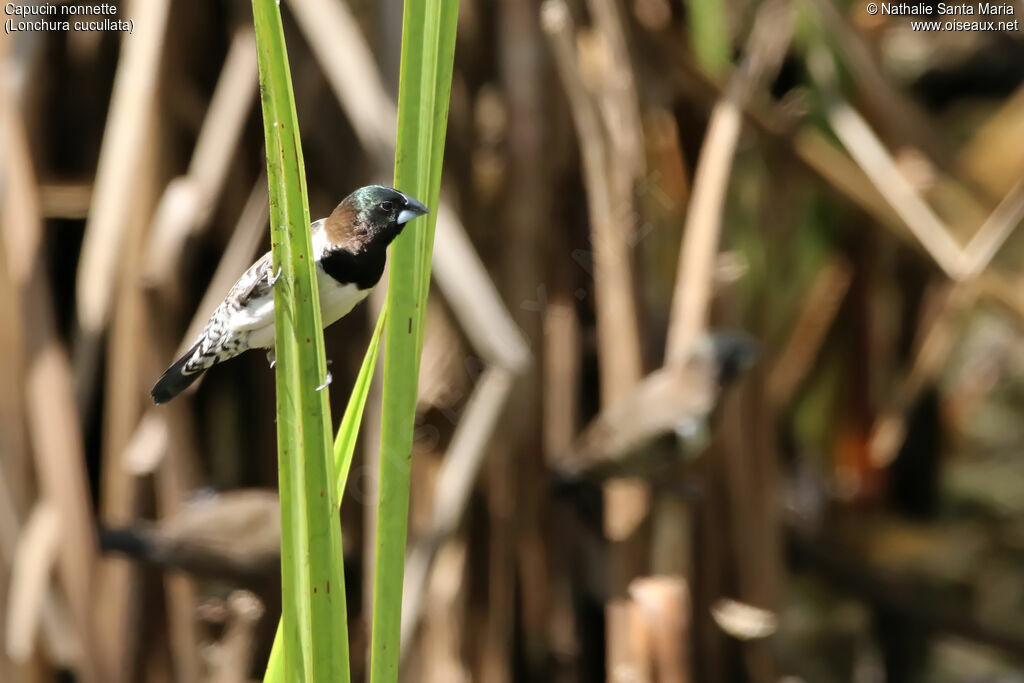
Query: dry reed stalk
[[618, 336], [765, 49], [473, 298], [521, 133], [458, 473], [936, 334], [35, 561], [125, 141], [443, 380], [672, 534], [477, 305], [157, 447], [608, 105], [958, 263], [148, 445], [852, 180], [993, 233], [691, 302], [65, 200], [609, 204], [616, 93], [752, 491], [34, 612], [348, 64], [444, 633], [58, 647], [902, 115], [240, 251], [661, 609], [962, 265], [119, 584], [146, 449], [175, 479], [958, 204], [464, 454], [763, 54], [814, 319], [879, 166], [837, 169], [188, 200], [561, 374], [60, 464], [10, 524], [871, 155], [52, 418], [16, 464], [807, 143], [230, 659], [498, 628]]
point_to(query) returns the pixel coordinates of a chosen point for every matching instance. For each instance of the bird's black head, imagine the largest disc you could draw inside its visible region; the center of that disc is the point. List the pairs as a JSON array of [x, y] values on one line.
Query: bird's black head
[[735, 353], [372, 214]]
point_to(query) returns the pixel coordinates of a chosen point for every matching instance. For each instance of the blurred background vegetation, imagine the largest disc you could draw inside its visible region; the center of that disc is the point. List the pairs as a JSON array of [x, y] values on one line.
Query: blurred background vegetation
[[621, 177]]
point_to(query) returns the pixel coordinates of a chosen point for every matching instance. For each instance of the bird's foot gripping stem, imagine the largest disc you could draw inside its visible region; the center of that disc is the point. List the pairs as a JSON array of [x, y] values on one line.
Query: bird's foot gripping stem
[[277, 276], [327, 382], [271, 358]]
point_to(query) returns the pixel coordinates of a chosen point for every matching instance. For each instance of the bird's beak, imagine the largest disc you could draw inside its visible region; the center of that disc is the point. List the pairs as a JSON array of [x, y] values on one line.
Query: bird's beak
[[412, 209]]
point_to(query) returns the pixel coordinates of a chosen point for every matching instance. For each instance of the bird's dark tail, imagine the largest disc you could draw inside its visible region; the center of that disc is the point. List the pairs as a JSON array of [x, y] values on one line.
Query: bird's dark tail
[[126, 541], [175, 380]]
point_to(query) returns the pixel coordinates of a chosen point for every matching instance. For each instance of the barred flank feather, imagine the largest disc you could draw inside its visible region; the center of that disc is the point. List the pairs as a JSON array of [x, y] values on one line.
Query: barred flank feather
[[175, 380]]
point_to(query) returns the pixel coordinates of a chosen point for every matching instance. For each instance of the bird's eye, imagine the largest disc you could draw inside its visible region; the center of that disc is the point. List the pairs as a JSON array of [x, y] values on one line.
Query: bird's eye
[[386, 206]]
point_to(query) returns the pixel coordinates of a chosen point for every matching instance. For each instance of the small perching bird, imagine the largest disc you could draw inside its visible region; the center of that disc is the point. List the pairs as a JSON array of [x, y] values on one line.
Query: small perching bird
[[234, 534], [674, 402], [350, 250]]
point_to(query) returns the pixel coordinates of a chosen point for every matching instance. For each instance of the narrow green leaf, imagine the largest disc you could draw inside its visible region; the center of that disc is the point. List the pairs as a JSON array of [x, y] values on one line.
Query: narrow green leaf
[[345, 442], [344, 448], [275, 665], [314, 634], [428, 49]]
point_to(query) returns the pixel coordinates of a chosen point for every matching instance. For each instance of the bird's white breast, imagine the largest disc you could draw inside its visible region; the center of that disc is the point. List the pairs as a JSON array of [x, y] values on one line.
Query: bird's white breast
[[336, 300]]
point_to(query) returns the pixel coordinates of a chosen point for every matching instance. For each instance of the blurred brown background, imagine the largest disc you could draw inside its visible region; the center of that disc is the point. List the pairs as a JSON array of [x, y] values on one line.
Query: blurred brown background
[[621, 178]]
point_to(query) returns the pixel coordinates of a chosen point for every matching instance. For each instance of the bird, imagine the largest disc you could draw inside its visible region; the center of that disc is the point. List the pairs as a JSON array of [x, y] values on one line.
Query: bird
[[674, 405], [350, 250], [231, 534]]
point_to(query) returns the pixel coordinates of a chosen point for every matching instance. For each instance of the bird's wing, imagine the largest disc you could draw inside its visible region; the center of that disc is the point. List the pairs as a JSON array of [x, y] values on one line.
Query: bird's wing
[[668, 400], [251, 301], [254, 283], [252, 297]]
